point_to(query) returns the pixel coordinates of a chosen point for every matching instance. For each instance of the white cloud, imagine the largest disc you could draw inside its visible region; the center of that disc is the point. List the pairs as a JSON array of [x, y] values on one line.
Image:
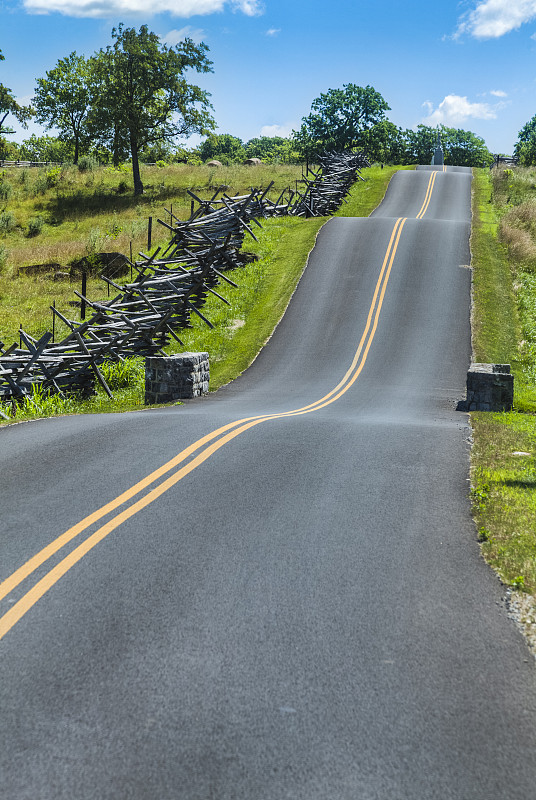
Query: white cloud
[[278, 130], [171, 38], [118, 8], [493, 18], [498, 93], [252, 8], [455, 109], [273, 31]]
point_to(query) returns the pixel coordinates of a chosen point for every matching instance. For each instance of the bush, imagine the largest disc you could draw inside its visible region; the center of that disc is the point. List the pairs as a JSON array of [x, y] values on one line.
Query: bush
[[47, 180], [87, 164], [52, 177], [35, 226], [40, 184], [8, 222], [6, 189]]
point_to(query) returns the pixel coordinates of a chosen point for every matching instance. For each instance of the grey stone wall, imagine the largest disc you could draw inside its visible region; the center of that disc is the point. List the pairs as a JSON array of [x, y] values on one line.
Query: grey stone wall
[[179, 377], [490, 387]]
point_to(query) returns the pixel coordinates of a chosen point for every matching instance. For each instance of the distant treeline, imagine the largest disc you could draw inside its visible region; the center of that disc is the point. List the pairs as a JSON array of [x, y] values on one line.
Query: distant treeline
[[133, 101]]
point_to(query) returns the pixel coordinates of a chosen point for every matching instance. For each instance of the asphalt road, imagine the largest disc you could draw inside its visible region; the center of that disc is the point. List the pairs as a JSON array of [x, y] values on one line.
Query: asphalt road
[[295, 607]]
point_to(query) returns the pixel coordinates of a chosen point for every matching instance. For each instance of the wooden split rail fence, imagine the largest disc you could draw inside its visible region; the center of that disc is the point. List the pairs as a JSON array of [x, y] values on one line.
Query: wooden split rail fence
[[170, 285]]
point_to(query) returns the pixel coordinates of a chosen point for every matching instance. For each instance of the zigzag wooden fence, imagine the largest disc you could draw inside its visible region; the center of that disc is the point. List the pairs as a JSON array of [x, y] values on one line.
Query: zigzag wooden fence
[[170, 285]]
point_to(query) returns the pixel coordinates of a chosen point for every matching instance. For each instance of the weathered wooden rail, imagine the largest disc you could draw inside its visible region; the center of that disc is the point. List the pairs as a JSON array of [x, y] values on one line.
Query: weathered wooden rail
[[170, 285]]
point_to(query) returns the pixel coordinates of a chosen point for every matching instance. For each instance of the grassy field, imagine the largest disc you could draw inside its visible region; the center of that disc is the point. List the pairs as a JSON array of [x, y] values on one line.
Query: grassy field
[[58, 216], [504, 331]]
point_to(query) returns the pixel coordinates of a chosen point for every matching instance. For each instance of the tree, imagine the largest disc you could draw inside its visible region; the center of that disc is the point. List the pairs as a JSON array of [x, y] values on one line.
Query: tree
[[8, 105], [63, 99], [143, 96], [525, 147], [461, 148], [386, 143], [464, 148], [421, 144], [340, 119], [272, 149], [223, 147], [45, 148]]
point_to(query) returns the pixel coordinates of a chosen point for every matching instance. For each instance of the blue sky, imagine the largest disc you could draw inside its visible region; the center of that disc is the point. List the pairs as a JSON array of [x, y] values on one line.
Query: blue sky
[[469, 64]]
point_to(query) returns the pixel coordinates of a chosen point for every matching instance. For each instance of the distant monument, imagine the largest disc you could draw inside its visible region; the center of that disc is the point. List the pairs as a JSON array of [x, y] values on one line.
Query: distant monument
[[438, 159]]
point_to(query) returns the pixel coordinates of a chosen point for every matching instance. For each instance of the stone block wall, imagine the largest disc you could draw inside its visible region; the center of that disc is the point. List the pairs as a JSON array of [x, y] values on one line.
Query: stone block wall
[[490, 387], [179, 377]]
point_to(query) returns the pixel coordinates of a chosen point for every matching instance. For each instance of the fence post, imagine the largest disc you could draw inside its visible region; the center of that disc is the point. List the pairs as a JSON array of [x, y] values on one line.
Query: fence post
[[83, 303]]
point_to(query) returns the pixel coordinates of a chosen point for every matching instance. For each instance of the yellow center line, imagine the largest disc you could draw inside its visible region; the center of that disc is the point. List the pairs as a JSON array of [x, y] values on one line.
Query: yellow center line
[[428, 195], [226, 433]]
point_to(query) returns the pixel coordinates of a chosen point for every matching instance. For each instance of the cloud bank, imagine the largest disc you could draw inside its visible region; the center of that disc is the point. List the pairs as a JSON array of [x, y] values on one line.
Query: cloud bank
[[494, 18], [118, 8]]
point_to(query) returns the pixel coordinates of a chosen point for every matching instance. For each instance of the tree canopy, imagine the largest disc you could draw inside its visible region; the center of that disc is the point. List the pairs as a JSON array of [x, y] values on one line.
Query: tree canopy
[[143, 95], [340, 119], [63, 99], [525, 147], [223, 147]]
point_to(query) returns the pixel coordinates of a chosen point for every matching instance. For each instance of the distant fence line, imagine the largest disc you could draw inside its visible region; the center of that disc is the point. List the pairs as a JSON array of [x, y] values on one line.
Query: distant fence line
[[4, 163], [508, 161]]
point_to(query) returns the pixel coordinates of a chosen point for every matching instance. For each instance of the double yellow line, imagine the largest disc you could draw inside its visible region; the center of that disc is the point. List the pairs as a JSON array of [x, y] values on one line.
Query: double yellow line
[[185, 462], [428, 195], [180, 466]]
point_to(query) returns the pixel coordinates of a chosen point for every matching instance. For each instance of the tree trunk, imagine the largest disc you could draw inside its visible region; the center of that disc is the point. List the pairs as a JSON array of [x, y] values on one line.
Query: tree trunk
[[116, 145], [76, 145], [138, 185]]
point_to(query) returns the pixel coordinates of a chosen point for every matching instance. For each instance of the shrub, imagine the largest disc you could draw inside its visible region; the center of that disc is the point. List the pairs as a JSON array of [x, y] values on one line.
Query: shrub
[[161, 164], [35, 226], [40, 184], [52, 177], [6, 189], [7, 222], [87, 164]]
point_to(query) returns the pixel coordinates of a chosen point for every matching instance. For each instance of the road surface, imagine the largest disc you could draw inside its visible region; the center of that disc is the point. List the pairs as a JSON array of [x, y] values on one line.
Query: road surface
[[276, 591]]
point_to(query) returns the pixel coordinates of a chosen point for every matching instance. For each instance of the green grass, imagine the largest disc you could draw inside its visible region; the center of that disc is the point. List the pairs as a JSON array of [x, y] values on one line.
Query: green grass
[[504, 331], [495, 324]]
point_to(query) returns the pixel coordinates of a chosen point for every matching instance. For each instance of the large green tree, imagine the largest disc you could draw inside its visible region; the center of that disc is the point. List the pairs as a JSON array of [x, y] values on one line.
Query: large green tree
[[340, 119], [465, 148], [525, 147], [63, 98], [144, 96], [386, 143], [421, 144], [461, 148]]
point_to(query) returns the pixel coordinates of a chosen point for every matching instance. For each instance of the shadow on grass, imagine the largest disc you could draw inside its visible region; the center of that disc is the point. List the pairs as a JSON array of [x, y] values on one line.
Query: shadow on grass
[[518, 484], [81, 204]]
